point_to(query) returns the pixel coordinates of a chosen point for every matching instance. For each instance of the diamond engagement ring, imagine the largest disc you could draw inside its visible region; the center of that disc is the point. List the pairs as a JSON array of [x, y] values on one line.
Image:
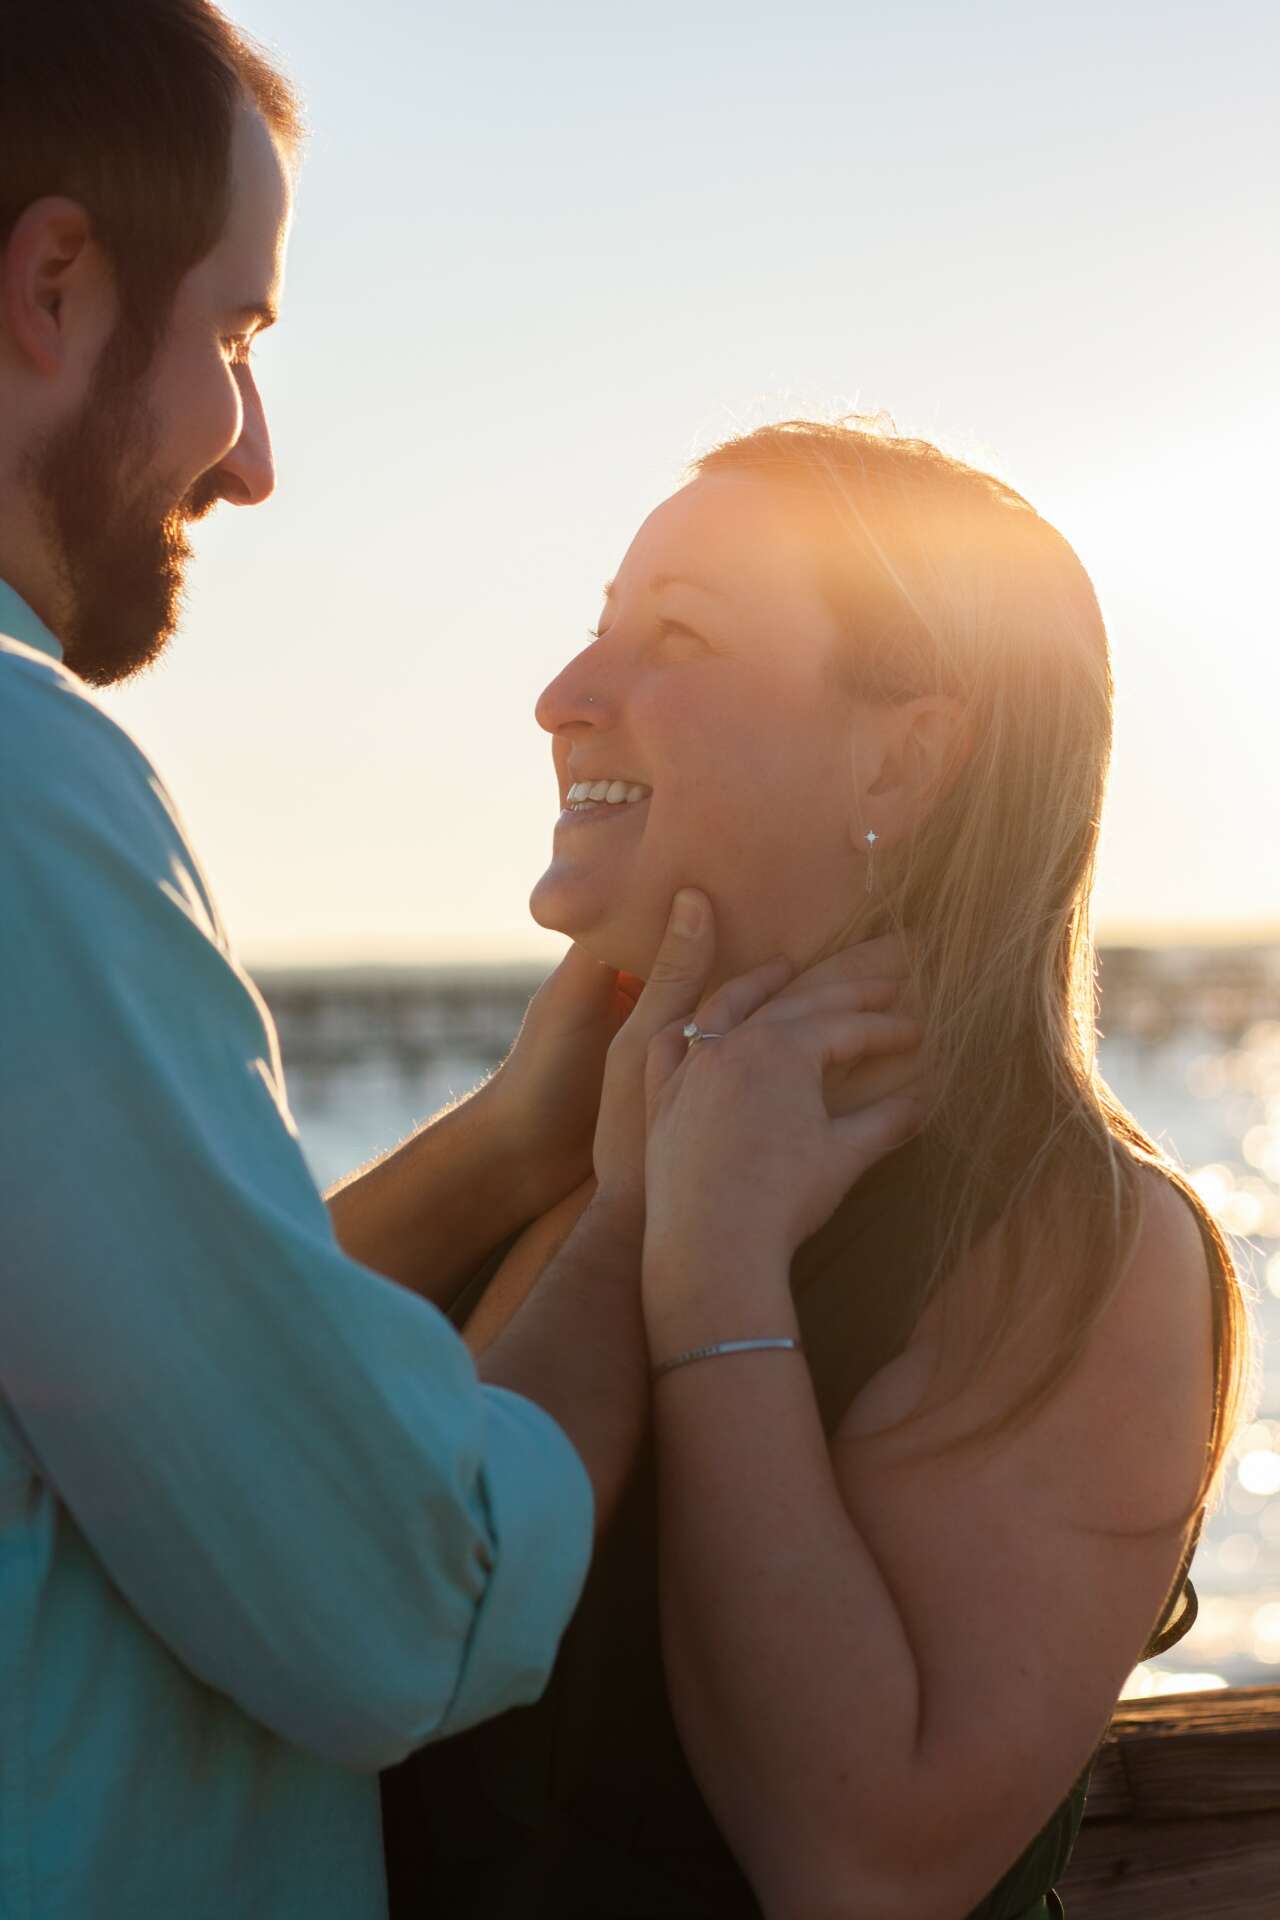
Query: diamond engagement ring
[[693, 1033]]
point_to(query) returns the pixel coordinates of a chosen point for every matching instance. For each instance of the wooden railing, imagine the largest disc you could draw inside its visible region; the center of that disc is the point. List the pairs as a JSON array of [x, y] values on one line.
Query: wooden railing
[[1183, 1815]]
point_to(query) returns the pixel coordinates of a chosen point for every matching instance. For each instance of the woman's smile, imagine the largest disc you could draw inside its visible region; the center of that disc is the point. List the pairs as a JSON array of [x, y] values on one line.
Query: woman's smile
[[585, 795], [593, 813]]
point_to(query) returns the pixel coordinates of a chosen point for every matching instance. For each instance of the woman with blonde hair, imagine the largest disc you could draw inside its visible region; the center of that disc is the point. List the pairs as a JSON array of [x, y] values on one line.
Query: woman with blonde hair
[[938, 1402]]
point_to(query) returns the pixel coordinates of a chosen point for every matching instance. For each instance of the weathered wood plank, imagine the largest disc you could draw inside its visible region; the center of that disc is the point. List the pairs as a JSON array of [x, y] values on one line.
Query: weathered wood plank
[[1207, 1869], [1186, 1755], [1183, 1816]]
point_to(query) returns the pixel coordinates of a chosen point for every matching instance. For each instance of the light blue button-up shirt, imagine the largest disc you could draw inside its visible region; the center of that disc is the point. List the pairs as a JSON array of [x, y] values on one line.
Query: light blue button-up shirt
[[261, 1530]]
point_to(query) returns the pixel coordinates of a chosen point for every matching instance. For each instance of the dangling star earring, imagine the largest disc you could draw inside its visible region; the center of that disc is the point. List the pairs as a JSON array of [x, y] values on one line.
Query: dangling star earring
[[871, 839]]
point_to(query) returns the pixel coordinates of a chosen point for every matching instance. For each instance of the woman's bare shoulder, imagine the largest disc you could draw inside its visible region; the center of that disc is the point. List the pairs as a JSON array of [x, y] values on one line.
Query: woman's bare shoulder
[[1140, 1392], [1030, 1572]]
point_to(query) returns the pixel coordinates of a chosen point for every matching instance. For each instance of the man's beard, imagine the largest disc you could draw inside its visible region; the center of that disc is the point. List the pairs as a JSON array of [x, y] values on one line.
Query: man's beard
[[121, 541]]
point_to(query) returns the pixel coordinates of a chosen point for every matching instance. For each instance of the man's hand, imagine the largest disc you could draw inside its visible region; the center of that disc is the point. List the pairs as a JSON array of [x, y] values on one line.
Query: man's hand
[[544, 1100], [577, 1345]]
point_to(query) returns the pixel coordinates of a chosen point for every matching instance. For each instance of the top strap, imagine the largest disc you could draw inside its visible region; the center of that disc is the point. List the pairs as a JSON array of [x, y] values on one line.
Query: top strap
[[1183, 1606]]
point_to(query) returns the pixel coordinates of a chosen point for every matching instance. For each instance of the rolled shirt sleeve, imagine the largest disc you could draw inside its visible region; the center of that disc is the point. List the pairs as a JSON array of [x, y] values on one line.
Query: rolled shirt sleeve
[[284, 1462], [507, 1632]]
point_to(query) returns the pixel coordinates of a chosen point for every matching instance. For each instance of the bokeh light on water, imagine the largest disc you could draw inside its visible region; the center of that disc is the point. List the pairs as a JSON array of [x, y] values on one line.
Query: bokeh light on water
[[1216, 1104]]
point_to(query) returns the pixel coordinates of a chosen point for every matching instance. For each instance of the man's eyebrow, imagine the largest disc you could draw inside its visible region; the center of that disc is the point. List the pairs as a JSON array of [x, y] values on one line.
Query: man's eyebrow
[[657, 581], [260, 310]]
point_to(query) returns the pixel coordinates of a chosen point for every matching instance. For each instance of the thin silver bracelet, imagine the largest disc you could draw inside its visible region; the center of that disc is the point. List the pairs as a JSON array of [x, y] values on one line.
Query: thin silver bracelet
[[725, 1346]]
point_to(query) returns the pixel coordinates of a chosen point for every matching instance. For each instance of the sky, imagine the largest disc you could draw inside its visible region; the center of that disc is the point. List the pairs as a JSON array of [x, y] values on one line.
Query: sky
[[545, 253]]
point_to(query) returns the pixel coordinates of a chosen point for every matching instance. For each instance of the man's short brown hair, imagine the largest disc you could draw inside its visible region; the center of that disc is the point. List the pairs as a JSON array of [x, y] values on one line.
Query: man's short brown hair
[[127, 107]]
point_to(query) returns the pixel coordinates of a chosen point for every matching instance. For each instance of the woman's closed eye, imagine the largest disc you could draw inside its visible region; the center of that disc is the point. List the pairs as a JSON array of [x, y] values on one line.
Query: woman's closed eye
[[680, 640], [673, 636]]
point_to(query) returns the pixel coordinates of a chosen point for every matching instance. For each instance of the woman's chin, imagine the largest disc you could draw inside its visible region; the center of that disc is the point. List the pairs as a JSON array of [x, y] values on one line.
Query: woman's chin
[[613, 944], [550, 907]]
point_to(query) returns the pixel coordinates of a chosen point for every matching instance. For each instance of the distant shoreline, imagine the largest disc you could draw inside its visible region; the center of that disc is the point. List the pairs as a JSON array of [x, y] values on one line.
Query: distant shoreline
[[1162, 958], [417, 1015]]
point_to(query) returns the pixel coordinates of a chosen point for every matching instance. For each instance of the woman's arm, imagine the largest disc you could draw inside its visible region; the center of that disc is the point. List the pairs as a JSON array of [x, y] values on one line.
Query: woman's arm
[[888, 1669]]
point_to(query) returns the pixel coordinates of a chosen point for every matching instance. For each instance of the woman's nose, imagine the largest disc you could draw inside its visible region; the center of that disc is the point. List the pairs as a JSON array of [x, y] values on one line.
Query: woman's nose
[[578, 696]]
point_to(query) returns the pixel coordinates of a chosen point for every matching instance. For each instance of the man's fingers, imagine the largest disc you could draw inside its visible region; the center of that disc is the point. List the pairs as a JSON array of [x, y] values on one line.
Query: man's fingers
[[582, 977], [626, 991]]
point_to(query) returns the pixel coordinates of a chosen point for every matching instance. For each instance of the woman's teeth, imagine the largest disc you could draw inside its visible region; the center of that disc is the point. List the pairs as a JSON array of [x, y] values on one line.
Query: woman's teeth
[[614, 793]]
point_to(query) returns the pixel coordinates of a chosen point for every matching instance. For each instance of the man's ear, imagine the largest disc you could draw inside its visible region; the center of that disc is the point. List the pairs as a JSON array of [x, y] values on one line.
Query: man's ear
[[57, 294]]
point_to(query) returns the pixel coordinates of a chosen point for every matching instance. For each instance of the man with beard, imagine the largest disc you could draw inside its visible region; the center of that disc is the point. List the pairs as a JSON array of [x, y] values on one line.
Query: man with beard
[[262, 1528]]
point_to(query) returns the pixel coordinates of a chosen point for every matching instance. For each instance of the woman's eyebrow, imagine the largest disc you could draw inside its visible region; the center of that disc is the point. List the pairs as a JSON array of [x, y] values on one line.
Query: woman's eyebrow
[[657, 581]]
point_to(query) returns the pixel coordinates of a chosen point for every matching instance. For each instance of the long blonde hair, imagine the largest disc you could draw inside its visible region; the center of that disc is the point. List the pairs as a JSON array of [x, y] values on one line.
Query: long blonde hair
[[947, 582]]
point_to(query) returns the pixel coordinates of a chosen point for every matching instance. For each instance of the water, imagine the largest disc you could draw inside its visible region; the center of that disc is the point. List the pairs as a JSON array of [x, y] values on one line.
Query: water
[[1212, 1096], [1217, 1107]]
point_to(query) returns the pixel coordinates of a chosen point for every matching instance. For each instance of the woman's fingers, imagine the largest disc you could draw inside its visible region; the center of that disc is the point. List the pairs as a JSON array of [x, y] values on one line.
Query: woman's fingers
[[666, 1055], [831, 1037], [875, 971], [868, 1079], [738, 999], [838, 1037], [847, 1025], [848, 995], [676, 982], [741, 1136], [721, 1013], [679, 972], [875, 1131], [881, 959]]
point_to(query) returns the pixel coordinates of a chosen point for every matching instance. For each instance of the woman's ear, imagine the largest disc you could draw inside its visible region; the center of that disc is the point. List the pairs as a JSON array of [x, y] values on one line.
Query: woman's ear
[[910, 754]]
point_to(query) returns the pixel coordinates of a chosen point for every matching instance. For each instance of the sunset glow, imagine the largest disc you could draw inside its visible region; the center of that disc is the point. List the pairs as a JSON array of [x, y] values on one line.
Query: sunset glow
[[538, 263]]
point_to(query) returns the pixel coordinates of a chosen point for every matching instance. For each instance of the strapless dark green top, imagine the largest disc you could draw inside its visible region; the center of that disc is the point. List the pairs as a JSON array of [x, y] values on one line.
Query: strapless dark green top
[[583, 1806]]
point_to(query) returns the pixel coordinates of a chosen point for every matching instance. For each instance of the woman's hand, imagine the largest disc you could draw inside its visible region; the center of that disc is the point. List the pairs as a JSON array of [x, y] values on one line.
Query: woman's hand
[[745, 1159], [544, 1099], [673, 990], [851, 1085]]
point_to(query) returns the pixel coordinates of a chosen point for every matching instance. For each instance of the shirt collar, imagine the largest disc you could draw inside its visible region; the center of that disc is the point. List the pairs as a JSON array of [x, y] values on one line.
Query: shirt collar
[[19, 623]]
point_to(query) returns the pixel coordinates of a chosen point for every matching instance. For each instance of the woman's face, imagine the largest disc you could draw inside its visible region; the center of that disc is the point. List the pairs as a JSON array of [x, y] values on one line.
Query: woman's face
[[708, 687]]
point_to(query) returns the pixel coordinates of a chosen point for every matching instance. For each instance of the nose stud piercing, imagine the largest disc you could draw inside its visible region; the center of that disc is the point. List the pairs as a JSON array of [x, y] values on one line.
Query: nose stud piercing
[[871, 839]]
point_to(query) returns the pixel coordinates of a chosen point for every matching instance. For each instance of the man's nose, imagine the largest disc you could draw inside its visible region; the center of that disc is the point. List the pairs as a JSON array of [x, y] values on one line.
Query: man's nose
[[248, 473]]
